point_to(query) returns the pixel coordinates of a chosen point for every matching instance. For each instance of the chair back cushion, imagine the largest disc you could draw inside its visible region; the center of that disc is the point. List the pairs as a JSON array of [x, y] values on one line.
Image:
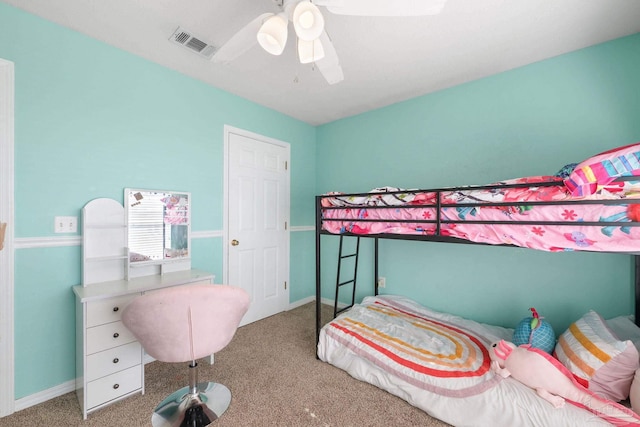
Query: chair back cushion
[[185, 323]]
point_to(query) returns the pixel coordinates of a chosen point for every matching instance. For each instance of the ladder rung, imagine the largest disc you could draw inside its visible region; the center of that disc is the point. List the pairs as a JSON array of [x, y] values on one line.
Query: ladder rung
[[346, 283], [344, 309], [352, 281]]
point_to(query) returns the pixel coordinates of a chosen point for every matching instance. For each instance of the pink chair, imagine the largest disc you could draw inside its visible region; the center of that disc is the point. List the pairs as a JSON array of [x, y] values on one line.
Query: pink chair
[[183, 324]]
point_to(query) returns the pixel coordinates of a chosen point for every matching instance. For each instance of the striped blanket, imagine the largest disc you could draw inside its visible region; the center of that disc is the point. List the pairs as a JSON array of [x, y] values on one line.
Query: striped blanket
[[439, 363], [430, 353]]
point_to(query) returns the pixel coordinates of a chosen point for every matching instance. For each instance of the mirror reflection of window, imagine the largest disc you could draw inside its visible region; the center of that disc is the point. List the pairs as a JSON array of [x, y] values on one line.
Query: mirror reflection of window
[[146, 226], [176, 220], [158, 224]]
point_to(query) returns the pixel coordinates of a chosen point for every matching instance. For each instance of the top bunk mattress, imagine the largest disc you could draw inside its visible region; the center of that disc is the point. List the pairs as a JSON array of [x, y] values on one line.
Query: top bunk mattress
[[550, 213]]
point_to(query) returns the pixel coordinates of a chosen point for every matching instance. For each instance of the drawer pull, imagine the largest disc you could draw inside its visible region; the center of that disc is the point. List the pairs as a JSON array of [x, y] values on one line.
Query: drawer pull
[[116, 335], [116, 308], [116, 360], [116, 386]]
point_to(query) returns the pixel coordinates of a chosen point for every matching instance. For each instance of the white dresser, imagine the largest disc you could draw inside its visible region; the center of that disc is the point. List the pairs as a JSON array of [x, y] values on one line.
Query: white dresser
[[109, 360]]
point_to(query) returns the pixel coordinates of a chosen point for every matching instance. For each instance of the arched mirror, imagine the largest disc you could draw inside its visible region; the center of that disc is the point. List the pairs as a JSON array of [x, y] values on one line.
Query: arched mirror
[[158, 225]]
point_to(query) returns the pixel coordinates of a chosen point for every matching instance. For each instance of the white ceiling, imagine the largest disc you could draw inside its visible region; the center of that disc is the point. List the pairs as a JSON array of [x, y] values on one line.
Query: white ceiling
[[385, 60]]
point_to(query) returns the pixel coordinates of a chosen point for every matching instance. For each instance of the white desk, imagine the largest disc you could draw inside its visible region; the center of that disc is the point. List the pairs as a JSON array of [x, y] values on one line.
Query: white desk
[[109, 360]]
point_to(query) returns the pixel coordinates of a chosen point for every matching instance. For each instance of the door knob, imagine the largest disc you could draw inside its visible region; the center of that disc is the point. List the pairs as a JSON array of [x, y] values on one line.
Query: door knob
[[234, 242]]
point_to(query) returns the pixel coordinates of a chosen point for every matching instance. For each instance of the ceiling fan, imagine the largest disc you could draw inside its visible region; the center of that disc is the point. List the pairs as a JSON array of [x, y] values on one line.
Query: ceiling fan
[[270, 30]]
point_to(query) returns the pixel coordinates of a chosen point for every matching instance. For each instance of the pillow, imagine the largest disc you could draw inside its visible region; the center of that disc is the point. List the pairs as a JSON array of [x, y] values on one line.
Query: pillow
[[625, 329], [602, 169], [597, 358]]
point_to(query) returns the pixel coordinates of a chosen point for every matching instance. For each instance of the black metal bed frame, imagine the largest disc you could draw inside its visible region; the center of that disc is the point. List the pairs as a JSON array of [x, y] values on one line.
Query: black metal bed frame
[[437, 237]]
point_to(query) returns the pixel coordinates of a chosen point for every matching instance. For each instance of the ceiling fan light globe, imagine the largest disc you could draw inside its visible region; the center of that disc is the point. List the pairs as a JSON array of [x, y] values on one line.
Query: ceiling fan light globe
[[272, 35], [270, 40], [310, 51], [307, 21]]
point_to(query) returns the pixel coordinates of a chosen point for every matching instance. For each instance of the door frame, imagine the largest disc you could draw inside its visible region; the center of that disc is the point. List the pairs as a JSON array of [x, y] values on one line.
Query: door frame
[[7, 394], [228, 130]]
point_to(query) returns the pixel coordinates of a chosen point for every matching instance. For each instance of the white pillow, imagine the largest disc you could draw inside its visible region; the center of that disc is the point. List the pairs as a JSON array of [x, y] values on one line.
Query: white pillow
[[625, 329], [597, 358]]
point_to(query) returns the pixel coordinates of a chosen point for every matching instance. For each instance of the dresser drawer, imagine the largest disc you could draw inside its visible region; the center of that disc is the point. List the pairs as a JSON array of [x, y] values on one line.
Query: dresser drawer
[[113, 360], [107, 336], [113, 386], [108, 310]]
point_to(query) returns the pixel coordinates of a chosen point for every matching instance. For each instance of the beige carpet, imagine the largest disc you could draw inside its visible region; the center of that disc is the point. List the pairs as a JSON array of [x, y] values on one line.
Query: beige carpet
[[276, 380]]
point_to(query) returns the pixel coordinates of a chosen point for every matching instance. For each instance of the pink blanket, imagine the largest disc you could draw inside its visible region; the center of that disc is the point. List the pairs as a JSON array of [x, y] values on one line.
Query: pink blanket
[[519, 225]]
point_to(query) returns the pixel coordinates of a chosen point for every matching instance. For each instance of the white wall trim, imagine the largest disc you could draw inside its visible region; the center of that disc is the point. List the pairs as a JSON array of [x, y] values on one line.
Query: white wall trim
[[301, 302], [206, 234], [44, 395], [303, 228], [70, 386], [47, 242], [59, 241], [7, 256]]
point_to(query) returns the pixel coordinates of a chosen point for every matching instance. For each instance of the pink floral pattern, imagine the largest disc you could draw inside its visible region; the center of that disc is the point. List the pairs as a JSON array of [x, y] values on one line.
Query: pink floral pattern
[[526, 225]]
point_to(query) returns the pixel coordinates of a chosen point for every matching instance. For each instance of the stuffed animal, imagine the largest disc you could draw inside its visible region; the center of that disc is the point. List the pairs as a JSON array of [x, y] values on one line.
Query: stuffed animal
[[536, 332], [553, 382]]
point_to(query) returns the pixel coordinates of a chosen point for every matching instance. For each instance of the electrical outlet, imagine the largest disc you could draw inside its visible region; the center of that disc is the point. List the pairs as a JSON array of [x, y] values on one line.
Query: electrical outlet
[[66, 224], [382, 282]]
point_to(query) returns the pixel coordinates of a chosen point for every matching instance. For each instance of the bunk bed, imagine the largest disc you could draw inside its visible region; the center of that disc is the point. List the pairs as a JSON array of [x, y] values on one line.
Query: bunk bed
[[590, 206]]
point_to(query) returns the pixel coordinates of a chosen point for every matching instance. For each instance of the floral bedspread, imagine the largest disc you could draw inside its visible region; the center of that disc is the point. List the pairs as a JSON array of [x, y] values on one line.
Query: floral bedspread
[[519, 225]]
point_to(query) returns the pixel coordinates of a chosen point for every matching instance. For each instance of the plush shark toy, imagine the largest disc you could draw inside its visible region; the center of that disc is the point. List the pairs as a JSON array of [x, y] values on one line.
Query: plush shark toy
[[553, 382]]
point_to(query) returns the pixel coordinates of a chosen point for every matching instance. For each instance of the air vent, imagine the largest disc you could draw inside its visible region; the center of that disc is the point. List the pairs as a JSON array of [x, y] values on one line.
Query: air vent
[[195, 44]]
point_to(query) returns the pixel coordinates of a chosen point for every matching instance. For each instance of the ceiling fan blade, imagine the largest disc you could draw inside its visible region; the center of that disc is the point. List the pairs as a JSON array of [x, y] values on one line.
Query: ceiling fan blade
[[241, 41], [329, 66], [383, 7]]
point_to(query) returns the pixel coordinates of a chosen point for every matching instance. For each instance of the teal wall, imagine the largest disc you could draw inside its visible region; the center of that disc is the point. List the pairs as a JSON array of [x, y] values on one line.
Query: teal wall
[[524, 122], [91, 120]]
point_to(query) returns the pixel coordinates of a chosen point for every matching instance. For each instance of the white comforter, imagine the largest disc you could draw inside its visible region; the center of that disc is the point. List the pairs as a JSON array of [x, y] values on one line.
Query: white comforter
[[437, 362]]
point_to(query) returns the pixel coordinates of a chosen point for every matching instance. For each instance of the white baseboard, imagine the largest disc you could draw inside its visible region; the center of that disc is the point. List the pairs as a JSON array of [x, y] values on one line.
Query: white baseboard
[[331, 302], [54, 392], [307, 300], [45, 395], [70, 386], [300, 303]]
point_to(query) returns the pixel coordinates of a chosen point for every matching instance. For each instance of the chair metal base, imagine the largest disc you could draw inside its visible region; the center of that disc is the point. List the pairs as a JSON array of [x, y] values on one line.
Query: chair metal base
[[184, 408]]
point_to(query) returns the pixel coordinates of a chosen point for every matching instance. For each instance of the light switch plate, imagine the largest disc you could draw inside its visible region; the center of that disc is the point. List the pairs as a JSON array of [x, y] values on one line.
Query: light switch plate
[[66, 224]]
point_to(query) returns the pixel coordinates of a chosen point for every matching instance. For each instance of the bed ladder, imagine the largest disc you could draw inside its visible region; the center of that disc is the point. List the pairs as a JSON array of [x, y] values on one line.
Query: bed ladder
[[339, 284]]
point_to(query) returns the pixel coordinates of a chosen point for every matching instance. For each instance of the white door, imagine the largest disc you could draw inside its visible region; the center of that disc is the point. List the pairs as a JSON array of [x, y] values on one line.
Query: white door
[[7, 398], [257, 216]]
